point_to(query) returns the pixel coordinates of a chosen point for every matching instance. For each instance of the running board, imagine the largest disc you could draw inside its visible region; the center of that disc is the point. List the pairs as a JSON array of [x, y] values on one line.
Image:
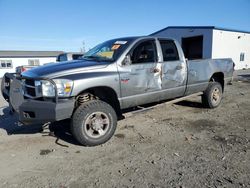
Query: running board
[[143, 109]]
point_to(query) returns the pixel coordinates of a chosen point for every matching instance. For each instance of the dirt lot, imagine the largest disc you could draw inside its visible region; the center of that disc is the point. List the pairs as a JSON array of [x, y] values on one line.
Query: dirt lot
[[179, 145]]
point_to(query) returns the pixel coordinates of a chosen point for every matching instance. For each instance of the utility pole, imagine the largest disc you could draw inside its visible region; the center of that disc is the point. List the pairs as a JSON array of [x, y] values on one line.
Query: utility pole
[[83, 50]]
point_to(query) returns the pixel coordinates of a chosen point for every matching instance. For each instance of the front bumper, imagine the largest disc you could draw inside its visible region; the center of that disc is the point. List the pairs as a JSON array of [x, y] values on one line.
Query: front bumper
[[39, 112], [33, 110]]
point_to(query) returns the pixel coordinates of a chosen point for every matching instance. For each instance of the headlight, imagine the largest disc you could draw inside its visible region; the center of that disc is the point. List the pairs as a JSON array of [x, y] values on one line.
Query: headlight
[[64, 88]]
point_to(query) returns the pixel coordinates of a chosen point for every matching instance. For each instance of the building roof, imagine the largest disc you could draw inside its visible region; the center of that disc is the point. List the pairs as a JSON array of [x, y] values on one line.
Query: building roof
[[15, 53], [200, 27]]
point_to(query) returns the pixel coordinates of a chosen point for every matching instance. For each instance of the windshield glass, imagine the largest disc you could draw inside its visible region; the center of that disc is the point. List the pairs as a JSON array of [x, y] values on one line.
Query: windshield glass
[[109, 50]]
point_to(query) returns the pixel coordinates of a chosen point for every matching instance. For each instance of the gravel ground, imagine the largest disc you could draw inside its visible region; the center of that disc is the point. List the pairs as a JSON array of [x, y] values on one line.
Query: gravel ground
[[179, 145]]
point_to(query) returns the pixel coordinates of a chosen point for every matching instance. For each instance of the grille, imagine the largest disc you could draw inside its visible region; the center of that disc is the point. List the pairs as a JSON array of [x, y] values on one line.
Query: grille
[[30, 82], [32, 88], [31, 91]]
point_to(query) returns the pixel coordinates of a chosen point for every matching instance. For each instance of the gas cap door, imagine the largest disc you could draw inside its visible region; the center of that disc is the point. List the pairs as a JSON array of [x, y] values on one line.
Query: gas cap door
[[16, 94]]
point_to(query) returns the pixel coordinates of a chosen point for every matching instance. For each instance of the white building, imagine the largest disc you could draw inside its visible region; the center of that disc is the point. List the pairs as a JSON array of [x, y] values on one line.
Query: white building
[[9, 60], [211, 42]]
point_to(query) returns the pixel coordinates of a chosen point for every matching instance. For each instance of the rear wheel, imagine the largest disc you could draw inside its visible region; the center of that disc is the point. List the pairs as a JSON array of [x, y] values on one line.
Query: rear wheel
[[93, 123], [212, 97]]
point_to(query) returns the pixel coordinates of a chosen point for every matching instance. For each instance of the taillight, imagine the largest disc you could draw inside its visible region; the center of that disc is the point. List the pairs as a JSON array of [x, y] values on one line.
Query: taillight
[[23, 69]]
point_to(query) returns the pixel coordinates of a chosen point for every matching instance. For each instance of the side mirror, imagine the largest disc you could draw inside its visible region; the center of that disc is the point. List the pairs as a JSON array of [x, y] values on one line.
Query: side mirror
[[127, 60]]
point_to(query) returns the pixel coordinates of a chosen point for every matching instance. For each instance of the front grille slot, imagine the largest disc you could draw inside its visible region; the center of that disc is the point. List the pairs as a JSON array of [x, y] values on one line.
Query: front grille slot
[[32, 88], [31, 91], [30, 82]]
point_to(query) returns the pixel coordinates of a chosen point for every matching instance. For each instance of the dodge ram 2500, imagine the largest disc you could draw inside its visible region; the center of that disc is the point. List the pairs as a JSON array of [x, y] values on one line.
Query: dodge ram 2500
[[115, 75]]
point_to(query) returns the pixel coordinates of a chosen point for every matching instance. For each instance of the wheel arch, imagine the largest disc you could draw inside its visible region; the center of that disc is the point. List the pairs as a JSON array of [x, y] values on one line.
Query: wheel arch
[[106, 94], [218, 77]]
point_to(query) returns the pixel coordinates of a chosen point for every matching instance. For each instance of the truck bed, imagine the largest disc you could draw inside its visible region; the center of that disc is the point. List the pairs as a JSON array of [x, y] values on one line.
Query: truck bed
[[200, 71]]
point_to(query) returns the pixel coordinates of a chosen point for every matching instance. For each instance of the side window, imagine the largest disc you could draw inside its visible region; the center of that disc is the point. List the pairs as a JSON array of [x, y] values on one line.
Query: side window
[[62, 57], [33, 62], [76, 56], [169, 50], [145, 52], [242, 56], [6, 64]]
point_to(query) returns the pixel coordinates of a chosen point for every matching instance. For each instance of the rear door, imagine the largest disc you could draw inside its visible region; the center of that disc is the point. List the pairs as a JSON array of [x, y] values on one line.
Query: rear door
[[174, 70], [141, 79]]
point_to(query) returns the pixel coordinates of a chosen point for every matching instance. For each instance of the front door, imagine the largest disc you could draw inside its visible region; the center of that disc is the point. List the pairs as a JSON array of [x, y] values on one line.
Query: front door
[[141, 79], [174, 70]]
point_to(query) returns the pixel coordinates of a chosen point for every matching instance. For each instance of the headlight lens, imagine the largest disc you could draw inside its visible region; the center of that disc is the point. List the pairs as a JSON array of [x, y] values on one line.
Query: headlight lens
[[64, 88]]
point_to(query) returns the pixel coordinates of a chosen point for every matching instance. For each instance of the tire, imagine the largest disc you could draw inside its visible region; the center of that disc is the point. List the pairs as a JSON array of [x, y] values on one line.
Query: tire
[[212, 97], [93, 123]]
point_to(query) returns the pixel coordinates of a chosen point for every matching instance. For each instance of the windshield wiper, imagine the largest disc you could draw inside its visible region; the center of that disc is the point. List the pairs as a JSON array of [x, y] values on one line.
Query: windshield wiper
[[91, 56]]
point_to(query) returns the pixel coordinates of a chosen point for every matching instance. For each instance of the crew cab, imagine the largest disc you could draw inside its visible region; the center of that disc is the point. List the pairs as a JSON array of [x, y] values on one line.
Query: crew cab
[[114, 75]]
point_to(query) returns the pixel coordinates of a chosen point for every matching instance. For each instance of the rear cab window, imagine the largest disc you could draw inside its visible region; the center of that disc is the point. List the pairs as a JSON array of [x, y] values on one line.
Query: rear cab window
[[62, 57], [76, 56], [169, 50]]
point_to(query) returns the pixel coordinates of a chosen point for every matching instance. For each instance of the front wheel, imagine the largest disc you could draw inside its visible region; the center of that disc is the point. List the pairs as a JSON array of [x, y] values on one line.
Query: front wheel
[[212, 97], [93, 123]]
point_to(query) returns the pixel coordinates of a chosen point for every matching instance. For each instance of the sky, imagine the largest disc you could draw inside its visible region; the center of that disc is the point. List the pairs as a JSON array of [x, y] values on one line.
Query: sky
[[64, 25]]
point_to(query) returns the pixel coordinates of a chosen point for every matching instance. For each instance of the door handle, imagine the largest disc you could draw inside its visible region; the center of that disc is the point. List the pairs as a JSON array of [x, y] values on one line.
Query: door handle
[[155, 70]]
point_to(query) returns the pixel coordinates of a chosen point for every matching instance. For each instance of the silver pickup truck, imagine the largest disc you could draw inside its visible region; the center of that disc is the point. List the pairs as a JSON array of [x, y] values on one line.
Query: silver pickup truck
[[115, 75]]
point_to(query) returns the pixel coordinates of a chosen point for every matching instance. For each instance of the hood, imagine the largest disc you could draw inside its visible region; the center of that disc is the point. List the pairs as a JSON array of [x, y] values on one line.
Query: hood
[[63, 68]]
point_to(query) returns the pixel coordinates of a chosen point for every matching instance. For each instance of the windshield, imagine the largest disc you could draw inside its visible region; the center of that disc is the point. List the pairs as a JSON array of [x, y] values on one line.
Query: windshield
[[109, 50]]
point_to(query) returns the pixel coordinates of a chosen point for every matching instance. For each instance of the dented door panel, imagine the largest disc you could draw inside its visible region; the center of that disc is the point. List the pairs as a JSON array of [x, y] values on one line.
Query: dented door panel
[[140, 84], [174, 76], [174, 69], [139, 78]]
